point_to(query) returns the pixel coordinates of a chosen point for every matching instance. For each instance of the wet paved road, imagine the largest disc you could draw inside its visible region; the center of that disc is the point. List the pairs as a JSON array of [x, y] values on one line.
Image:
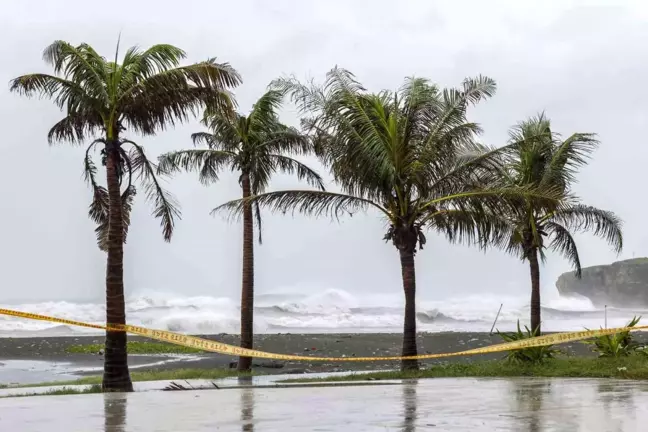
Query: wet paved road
[[436, 405]]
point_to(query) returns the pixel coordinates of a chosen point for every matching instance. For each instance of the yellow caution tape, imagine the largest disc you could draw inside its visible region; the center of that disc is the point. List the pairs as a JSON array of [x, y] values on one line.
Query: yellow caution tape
[[222, 348]]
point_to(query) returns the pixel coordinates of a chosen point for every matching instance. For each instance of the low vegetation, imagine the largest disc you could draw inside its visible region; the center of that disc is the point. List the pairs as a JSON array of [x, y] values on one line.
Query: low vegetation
[[620, 344], [136, 347], [95, 388], [527, 355], [632, 367]]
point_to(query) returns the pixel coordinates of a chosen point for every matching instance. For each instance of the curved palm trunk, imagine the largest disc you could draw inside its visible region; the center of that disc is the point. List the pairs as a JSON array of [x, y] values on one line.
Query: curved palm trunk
[[247, 288], [116, 376], [535, 290], [409, 327]]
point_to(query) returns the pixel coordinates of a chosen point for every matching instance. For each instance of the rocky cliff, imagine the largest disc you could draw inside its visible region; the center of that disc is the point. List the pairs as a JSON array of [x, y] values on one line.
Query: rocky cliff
[[620, 284]]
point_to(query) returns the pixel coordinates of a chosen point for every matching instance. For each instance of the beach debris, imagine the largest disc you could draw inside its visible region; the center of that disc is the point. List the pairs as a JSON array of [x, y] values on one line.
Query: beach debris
[[175, 386], [269, 365]]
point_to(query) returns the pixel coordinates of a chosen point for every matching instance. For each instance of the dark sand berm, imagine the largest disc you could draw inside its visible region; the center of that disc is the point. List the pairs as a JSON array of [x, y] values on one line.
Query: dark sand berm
[[53, 349]]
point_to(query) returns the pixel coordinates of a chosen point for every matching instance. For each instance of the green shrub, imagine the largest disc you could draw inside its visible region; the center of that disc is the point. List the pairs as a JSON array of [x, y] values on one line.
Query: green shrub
[[527, 355], [617, 345]]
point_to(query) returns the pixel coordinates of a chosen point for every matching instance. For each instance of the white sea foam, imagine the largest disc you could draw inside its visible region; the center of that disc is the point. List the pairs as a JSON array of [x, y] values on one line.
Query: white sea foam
[[328, 311]]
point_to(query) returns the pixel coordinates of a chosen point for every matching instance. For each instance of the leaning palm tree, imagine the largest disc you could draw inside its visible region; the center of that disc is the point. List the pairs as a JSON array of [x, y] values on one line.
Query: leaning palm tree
[[543, 160], [411, 156], [148, 91], [255, 146]]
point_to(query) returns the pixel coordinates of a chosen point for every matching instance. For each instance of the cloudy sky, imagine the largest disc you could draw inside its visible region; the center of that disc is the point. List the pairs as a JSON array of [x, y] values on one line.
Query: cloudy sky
[[584, 63]]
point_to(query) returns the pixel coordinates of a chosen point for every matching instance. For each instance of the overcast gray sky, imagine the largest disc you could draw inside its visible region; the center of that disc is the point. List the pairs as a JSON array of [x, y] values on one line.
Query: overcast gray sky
[[584, 63]]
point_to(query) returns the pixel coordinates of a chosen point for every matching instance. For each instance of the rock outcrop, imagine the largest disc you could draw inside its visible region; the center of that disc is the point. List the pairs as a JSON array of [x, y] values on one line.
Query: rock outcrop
[[620, 284]]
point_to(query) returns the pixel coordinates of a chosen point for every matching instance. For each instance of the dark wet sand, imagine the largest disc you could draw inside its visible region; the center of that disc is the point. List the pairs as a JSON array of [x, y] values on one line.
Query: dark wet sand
[[53, 349]]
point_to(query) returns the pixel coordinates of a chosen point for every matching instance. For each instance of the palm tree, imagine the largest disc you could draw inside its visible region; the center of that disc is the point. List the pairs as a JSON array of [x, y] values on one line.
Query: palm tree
[[543, 160], [411, 156], [147, 92], [255, 146]]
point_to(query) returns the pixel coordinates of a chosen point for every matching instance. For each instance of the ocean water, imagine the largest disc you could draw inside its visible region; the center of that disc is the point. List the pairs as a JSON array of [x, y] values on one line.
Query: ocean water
[[329, 311]]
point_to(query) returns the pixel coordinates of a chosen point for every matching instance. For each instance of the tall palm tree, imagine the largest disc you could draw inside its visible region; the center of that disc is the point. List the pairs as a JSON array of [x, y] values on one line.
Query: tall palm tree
[[255, 146], [411, 156], [148, 91], [543, 160]]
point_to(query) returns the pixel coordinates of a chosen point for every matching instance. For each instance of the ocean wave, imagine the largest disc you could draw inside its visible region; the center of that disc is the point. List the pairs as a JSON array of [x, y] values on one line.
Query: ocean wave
[[330, 311]]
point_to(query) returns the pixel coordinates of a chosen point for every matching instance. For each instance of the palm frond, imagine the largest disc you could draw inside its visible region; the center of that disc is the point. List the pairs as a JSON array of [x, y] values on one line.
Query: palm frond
[[309, 202], [287, 140], [80, 64], [264, 111], [207, 163], [563, 243], [99, 209], [478, 88], [452, 110], [75, 127], [203, 138], [601, 223], [471, 228], [259, 221], [307, 97], [228, 130], [155, 59], [568, 157], [101, 231], [498, 201], [534, 130], [165, 205], [50, 86], [471, 166], [289, 165], [172, 95]]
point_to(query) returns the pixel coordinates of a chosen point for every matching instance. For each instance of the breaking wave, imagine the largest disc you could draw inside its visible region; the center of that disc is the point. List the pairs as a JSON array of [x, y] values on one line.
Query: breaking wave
[[329, 311]]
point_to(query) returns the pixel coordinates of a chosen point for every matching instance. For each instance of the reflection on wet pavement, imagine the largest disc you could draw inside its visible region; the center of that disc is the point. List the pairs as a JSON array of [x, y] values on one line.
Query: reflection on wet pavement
[[439, 404], [409, 406], [247, 405], [115, 412]]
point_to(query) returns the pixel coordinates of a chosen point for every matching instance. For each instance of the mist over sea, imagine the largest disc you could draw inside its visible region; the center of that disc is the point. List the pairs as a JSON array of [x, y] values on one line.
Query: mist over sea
[[329, 311]]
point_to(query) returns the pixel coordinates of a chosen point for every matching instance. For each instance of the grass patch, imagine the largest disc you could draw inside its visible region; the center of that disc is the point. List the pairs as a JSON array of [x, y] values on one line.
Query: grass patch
[[631, 367], [161, 375], [61, 391], [136, 347]]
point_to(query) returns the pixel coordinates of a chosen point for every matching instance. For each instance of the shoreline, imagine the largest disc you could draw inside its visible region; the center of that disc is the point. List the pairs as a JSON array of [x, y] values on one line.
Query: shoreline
[[58, 365]]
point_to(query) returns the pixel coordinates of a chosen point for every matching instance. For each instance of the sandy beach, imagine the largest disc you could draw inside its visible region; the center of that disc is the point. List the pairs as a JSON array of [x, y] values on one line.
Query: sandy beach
[[48, 359]]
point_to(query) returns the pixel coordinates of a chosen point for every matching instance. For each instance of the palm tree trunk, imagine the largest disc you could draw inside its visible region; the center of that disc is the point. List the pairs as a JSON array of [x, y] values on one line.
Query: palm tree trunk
[[116, 376], [247, 288], [409, 327], [535, 290]]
